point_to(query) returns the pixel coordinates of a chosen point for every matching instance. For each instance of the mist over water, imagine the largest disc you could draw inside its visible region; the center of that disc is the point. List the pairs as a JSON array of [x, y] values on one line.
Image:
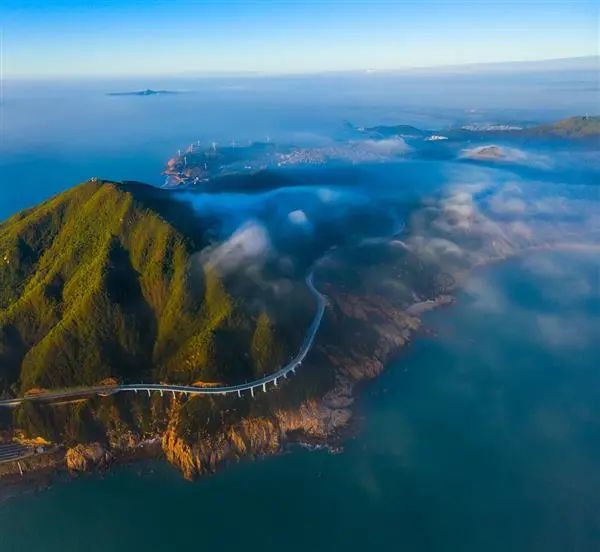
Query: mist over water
[[54, 134], [483, 436]]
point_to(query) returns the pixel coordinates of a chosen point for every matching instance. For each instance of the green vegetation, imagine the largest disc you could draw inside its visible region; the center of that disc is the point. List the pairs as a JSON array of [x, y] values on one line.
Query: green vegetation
[[96, 282], [573, 127], [92, 419], [263, 349], [578, 127]]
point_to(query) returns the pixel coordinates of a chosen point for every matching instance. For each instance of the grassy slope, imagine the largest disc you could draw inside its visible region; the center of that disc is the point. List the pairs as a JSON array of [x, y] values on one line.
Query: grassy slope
[[573, 127], [93, 283]]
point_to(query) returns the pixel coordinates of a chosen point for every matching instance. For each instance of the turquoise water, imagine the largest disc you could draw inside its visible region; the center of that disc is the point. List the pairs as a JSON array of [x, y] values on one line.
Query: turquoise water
[[485, 436]]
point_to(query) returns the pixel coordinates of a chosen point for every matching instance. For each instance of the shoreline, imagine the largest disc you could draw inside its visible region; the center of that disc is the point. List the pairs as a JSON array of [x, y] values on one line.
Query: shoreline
[[43, 476], [347, 387]]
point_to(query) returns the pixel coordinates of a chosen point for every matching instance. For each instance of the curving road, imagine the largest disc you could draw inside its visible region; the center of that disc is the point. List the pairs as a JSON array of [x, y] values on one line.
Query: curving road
[[251, 386]]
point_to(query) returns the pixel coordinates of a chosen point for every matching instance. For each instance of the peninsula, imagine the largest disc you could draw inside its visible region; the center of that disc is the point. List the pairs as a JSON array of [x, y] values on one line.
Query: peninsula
[[102, 292], [124, 332]]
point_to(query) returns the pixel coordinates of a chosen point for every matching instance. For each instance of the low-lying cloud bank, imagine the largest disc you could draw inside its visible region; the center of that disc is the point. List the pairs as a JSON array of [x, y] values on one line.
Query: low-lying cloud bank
[[480, 215], [473, 223], [248, 245]]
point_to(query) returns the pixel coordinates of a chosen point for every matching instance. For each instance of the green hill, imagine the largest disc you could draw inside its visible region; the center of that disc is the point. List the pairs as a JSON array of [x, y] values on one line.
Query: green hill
[[573, 127], [97, 282]]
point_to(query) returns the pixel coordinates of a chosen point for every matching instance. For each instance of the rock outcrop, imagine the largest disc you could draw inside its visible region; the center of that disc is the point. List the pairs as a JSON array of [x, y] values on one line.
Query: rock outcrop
[[82, 458], [317, 420]]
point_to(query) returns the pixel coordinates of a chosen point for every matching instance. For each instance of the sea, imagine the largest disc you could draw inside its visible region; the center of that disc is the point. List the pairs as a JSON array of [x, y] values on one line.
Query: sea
[[483, 434]]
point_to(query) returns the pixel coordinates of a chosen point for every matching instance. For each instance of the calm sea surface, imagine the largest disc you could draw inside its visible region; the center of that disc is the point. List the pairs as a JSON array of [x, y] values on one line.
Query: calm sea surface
[[484, 437], [54, 135]]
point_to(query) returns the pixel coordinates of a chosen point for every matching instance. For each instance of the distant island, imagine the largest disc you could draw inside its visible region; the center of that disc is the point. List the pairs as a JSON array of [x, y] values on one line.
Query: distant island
[[116, 283], [258, 165], [585, 126], [147, 92], [573, 128]]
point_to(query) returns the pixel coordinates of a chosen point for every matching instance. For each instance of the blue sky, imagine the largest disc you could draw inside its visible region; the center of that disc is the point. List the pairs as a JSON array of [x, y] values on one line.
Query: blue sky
[[133, 37]]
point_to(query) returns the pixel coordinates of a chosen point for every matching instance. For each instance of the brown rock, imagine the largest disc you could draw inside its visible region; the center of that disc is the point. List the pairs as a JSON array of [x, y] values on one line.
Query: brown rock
[[87, 457]]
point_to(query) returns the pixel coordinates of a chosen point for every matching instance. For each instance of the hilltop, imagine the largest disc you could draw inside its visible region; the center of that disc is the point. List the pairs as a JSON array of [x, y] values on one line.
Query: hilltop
[[109, 280], [100, 282], [573, 127]]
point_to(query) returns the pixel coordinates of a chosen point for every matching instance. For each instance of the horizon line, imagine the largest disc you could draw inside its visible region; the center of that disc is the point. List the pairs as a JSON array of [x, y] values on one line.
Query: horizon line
[[595, 58]]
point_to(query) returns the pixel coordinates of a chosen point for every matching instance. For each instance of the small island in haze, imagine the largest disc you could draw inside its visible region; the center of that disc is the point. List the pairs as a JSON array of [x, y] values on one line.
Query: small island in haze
[[147, 92]]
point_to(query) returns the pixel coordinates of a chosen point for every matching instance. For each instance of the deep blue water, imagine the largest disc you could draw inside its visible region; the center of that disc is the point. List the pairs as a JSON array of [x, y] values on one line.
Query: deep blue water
[[484, 437]]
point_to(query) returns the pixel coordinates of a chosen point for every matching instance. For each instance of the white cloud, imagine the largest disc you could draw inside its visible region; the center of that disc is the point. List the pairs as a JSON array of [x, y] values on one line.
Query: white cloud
[[298, 217], [519, 229], [249, 244], [507, 205], [486, 296], [327, 195], [390, 146]]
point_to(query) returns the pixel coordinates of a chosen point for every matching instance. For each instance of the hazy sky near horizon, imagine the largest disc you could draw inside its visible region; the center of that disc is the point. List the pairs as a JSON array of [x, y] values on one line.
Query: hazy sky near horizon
[[135, 37]]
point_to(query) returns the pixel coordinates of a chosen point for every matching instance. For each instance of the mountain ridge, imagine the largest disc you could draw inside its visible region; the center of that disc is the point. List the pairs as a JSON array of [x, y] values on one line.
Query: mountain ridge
[[97, 283]]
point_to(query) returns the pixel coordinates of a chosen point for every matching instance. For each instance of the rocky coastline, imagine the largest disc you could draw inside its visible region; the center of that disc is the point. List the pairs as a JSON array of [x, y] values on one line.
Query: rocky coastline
[[324, 421], [363, 330]]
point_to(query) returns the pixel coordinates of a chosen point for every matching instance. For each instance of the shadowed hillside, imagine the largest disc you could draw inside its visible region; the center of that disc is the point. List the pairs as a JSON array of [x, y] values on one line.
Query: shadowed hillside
[[97, 282]]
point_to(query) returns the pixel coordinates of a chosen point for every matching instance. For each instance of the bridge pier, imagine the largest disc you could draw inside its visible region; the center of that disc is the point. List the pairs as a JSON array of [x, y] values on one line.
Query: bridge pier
[[285, 371]]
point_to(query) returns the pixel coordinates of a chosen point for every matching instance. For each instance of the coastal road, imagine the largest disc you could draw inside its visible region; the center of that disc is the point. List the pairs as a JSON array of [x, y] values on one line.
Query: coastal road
[[251, 386], [13, 451]]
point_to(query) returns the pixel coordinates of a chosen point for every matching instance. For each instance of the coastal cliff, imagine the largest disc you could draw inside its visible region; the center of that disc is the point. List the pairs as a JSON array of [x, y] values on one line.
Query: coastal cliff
[[315, 421], [83, 458], [228, 331], [151, 308], [321, 420]]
